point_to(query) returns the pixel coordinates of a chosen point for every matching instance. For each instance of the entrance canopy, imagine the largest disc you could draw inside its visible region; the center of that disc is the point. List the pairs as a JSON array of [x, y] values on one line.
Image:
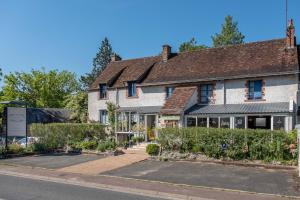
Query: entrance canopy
[[141, 110], [250, 108]]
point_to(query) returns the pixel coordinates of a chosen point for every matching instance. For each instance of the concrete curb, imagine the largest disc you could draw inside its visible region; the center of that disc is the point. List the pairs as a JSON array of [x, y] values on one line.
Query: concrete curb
[[234, 163], [148, 193], [204, 187]]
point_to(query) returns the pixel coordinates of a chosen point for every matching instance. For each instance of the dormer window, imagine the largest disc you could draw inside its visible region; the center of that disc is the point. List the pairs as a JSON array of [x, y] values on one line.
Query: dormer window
[[131, 89], [103, 91], [169, 92]]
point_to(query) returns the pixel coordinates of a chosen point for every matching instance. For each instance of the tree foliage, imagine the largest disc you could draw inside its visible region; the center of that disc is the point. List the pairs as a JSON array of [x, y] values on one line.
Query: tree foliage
[[111, 109], [103, 57], [78, 104], [40, 88], [230, 34], [191, 46]]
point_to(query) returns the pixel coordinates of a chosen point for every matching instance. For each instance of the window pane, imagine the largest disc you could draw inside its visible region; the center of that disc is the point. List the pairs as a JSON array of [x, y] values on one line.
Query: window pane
[[225, 122], [278, 122], [255, 89], [131, 89], [239, 122], [260, 122], [169, 91], [103, 117], [204, 100], [202, 122], [214, 122], [102, 91], [191, 121], [206, 92]]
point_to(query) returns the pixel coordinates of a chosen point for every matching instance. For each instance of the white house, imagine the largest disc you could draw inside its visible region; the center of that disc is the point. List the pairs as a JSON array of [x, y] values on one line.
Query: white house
[[252, 85]]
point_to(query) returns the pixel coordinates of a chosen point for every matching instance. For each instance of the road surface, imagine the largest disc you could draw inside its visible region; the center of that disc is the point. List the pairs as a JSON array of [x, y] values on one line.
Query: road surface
[[15, 188]]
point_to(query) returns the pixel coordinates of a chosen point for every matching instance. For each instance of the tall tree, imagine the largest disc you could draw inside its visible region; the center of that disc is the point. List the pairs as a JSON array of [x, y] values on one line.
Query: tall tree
[[40, 88], [191, 46], [77, 103], [103, 57], [230, 34]]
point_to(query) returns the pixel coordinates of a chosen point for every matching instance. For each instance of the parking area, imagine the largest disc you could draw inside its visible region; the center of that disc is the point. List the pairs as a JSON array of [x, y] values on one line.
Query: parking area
[[52, 161], [282, 182]]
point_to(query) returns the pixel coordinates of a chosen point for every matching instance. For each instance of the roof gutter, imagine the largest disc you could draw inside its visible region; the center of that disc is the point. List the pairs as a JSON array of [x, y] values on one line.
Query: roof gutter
[[220, 78]]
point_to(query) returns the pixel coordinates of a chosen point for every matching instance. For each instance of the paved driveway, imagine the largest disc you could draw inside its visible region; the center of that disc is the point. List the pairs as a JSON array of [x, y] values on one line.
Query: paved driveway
[[215, 175], [52, 161]]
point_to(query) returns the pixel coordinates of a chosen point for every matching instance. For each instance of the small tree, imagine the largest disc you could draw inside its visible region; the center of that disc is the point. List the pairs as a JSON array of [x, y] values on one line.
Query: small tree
[[111, 111], [191, 46], [230, 34]]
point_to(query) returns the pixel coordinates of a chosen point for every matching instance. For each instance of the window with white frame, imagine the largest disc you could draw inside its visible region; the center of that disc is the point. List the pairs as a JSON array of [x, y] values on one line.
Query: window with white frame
[[214, 122], [202, 121], [191, 121], [225, 122], [103, 117], [239, 122], [278, 122]]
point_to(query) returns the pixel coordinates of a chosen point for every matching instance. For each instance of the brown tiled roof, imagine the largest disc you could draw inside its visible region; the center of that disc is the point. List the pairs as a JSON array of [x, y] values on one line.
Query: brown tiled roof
[[126, 70], [136, 70], [175, 104], [238, 60], [245, 60]]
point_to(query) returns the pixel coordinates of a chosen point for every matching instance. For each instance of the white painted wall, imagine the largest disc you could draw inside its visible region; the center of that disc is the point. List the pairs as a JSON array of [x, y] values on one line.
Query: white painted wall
[[95, 104], [148, 96], [220, 87], [277, 89]]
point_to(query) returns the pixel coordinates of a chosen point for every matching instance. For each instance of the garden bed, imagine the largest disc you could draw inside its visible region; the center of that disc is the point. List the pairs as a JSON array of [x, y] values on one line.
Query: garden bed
[[197, 157]]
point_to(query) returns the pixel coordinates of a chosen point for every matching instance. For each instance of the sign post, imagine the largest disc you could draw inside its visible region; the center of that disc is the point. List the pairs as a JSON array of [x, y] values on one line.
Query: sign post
[[15, 120]]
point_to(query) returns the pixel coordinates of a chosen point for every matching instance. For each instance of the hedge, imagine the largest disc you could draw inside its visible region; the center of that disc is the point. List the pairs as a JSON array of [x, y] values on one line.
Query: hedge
[[236, 144], [58, 135]]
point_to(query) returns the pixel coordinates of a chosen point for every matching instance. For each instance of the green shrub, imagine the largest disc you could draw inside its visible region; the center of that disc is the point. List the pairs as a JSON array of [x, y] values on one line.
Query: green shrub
[[15, 148], [230, 143], [108, 144], [138, 139], [58, 135], [2, 150], [152, 149], [88, 145], [39, 147]]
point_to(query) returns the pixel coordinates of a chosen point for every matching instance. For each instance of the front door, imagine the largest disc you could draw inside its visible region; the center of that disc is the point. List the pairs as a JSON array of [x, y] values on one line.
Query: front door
[[151, 124]]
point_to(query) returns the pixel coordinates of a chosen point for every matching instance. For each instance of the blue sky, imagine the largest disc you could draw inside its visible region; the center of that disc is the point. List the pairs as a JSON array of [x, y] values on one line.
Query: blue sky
[[65, 34]]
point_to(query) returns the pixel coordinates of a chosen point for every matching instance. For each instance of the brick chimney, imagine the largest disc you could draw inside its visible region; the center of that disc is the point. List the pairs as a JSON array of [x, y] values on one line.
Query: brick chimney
[[115, 57], [290, 35], [166, 52]]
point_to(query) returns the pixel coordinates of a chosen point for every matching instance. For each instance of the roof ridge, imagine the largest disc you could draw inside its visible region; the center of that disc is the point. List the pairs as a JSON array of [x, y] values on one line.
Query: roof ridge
[[132, 59], [232, 45]]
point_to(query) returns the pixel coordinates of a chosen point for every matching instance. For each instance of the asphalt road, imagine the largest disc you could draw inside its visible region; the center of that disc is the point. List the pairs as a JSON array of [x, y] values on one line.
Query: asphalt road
[[214, 175], [15, 188], [52, 161]]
